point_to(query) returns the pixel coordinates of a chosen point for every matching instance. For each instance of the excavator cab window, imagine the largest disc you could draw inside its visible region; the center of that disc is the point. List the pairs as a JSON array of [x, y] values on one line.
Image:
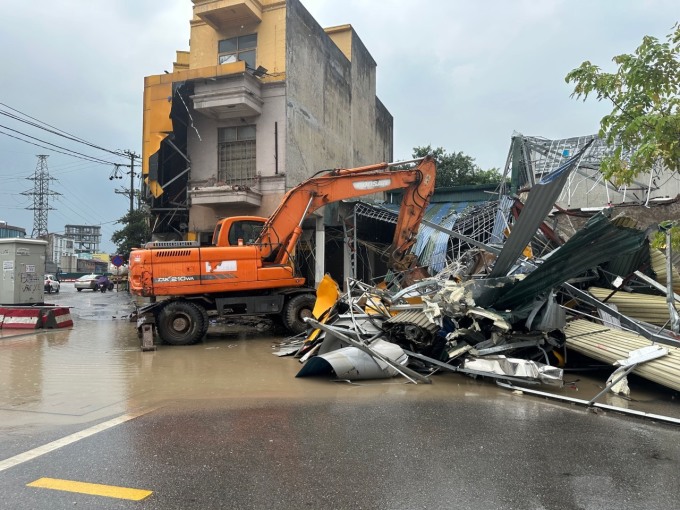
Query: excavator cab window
[[247, 231]]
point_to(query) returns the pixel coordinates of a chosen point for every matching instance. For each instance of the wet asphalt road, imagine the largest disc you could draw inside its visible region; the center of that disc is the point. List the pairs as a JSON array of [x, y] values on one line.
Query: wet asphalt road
[[224, 424]]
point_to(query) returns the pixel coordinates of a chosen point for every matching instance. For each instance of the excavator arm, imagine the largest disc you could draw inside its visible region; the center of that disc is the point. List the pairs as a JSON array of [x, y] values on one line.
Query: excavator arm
[[283, 229]]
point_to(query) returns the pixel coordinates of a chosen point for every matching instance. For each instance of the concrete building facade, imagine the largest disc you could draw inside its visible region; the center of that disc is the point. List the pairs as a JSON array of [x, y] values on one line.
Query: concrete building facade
[[86, 238], [264, 98], [59, 246]]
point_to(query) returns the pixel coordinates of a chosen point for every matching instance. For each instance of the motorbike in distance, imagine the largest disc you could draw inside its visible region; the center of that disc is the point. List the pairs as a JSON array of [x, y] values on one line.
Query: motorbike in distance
[[104, 284]]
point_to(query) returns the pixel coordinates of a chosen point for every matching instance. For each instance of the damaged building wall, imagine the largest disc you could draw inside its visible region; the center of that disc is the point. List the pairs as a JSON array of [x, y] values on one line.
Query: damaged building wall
[[308, 94], [203, 153], [207, 31]]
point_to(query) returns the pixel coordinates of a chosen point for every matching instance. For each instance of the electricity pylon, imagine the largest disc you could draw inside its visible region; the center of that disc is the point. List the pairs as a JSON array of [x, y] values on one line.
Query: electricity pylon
[[41, 197]]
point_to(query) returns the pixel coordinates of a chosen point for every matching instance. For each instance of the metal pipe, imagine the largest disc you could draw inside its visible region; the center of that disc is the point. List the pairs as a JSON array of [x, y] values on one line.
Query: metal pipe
[[607, 388], [571, 400], [276, 148]]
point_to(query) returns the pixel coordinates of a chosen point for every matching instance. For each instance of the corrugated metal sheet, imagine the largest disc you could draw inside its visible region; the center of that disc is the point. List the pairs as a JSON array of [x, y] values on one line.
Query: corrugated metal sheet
[[501, 223], [608, 345], [624, 265], [597, 242], [643, 307], [416, 317], [659, 267], [541, 200], [431, 246]]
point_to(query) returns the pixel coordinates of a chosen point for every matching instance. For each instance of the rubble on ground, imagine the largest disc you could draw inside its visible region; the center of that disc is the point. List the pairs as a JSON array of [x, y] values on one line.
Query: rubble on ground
[[507, 310]]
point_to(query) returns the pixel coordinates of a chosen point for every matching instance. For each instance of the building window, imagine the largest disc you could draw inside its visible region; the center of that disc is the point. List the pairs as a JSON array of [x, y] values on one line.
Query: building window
[[236, 155], [237, 48]]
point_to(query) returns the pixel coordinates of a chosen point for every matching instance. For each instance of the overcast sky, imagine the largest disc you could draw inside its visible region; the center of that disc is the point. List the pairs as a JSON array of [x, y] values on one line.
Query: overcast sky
[[458, 74]]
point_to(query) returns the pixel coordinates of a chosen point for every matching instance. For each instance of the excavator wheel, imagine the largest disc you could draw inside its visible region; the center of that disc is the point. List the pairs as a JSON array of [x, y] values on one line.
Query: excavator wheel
[[181, 323], [296, 310], [206, 320]]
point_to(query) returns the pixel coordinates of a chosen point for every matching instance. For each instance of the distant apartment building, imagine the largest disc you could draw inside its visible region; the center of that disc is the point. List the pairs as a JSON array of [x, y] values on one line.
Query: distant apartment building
[[8, 231], [59, 246], [264, 98], [86, 238]]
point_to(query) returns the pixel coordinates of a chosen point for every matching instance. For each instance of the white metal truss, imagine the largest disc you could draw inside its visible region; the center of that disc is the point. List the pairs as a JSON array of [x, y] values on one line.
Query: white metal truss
[[536, 157]]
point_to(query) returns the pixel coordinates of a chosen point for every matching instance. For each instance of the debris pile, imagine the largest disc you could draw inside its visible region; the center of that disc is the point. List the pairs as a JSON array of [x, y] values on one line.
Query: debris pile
[[508, 306]]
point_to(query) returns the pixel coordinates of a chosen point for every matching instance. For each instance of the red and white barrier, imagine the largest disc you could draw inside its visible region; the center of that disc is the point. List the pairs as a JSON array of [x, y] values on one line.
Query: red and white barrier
[[22, 318], [59, 317]]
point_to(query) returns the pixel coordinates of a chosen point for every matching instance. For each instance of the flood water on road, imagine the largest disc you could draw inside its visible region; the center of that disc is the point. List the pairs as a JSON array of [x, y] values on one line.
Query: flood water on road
[[97, 370], [226, 424]]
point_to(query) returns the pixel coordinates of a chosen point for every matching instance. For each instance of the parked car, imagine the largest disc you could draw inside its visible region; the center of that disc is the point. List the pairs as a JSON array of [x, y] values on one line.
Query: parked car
[[51, 284]]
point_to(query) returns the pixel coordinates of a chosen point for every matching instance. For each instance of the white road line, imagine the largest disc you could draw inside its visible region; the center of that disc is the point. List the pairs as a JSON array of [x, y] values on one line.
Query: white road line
[[65, 441]]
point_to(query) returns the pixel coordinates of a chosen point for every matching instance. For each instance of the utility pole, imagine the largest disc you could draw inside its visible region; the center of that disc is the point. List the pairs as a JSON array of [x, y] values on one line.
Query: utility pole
[[41, 194], [132, 156]]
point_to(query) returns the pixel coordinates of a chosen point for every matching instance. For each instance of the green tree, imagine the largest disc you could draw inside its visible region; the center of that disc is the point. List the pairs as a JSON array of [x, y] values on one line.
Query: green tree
[[456, 168], [135, 233], [644, 91]]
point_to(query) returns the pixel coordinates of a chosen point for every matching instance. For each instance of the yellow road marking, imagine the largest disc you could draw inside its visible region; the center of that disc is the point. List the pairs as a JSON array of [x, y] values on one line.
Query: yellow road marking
[[94, 489]]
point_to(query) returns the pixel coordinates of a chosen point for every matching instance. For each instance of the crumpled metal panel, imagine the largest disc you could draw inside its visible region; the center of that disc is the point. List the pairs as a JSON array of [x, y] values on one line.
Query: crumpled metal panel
[[432, 245], [598, 242], [541, 199], [354, 364], [501, 223], [417, 317], [642, 307], [658, 260], [359, 324], [609, 345], [549, 314], [515, 367]]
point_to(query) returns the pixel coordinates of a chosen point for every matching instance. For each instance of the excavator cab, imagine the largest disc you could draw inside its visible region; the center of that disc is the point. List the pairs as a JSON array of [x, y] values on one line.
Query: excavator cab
[[238, 230], [244, 232]]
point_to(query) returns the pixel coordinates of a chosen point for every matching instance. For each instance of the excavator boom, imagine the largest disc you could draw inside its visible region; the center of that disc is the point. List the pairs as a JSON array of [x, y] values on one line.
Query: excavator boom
[[281, 232]]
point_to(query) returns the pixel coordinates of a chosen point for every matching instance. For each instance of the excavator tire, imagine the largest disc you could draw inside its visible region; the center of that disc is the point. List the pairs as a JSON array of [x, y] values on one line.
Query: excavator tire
[[181, 323], [206, 320], [296, 310]]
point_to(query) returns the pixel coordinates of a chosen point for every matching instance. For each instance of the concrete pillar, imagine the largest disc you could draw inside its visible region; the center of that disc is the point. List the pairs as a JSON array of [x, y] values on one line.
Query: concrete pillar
[[320, 268]]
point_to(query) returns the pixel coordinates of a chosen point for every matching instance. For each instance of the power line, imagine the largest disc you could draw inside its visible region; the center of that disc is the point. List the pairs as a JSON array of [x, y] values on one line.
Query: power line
[[58, 146], [87, 158], [57, 131], [81, 205]]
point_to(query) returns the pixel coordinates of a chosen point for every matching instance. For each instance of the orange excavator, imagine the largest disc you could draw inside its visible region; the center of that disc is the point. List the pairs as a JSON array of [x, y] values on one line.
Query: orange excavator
[[248, 270]]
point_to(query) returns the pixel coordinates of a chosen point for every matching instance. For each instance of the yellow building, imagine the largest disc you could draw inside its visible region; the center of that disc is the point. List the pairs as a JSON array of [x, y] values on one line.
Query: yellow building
[[263, 99]]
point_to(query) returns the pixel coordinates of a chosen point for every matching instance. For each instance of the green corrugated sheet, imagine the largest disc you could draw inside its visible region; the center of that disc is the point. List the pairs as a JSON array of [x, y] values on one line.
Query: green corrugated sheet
[[598, 242]]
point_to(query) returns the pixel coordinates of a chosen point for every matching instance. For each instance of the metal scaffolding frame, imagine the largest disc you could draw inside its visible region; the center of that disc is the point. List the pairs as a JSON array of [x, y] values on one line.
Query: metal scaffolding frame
[[532, 157]]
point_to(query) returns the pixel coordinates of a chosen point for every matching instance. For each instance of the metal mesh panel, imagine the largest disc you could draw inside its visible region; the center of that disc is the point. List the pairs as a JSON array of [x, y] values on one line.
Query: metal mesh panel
[[236, 162]]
